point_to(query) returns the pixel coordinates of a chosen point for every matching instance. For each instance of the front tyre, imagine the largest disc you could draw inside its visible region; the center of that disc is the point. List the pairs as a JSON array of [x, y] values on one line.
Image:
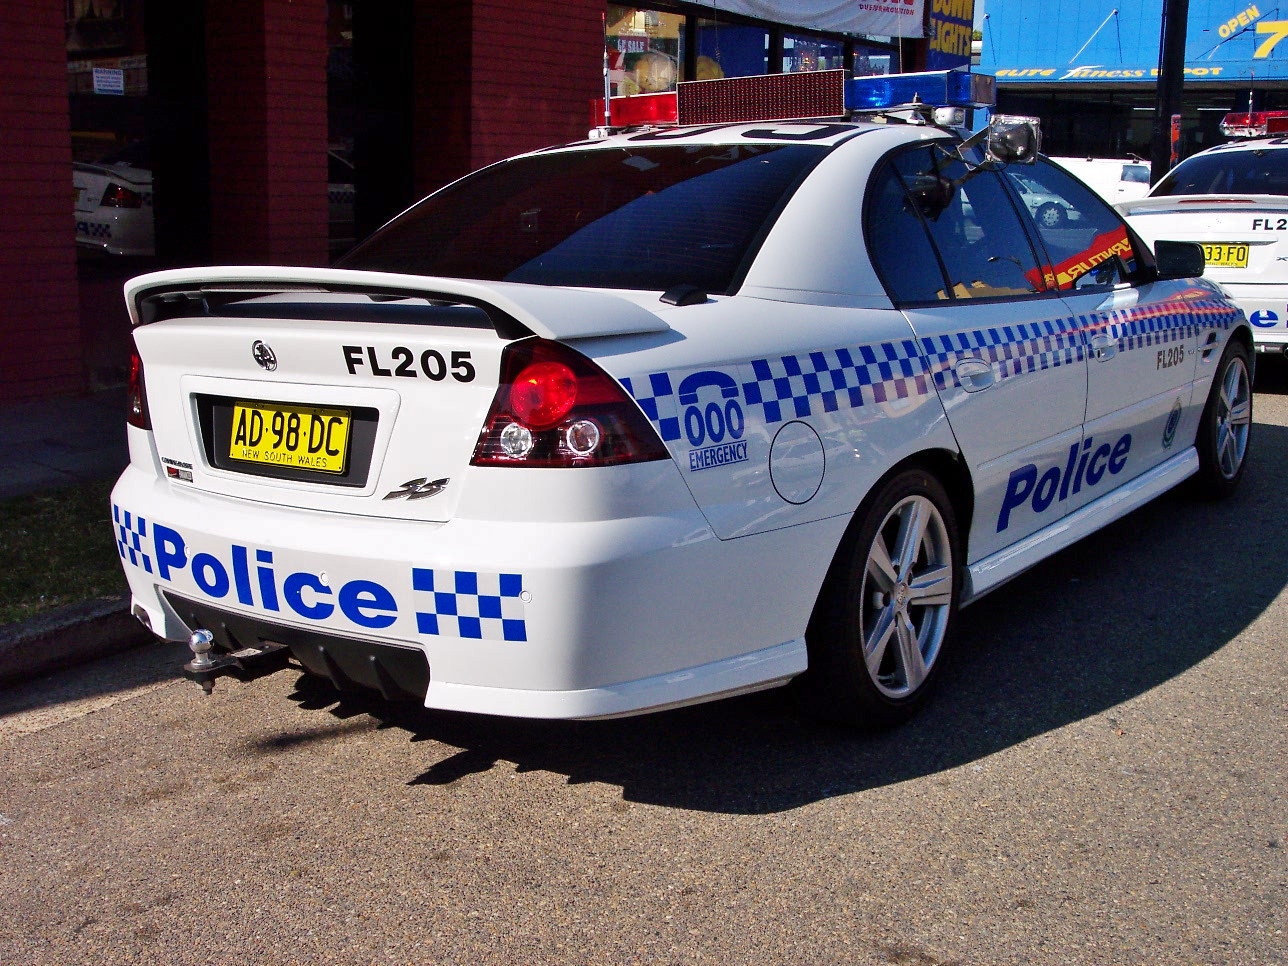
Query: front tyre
[[1226, 426], [877, 638]]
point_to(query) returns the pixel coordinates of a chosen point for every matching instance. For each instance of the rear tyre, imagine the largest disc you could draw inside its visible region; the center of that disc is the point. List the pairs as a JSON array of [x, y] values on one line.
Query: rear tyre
[[878, 635], [1226, 427]]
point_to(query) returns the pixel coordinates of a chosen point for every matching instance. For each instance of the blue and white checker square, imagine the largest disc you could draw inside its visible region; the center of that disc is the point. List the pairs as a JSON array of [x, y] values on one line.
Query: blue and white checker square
[[658, 402], [469, 604], [131, 531]]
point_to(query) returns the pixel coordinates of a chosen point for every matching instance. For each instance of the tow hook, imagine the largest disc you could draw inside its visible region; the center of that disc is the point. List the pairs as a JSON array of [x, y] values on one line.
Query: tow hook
[[244, 664]]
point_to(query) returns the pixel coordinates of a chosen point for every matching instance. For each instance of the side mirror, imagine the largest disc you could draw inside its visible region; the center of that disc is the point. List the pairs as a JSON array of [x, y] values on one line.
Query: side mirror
[[1177, 259], [1013, 139]]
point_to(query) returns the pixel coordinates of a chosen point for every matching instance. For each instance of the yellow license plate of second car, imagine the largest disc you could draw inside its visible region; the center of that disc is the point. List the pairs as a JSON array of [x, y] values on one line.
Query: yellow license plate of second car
[[290, 436], [1226, 254]]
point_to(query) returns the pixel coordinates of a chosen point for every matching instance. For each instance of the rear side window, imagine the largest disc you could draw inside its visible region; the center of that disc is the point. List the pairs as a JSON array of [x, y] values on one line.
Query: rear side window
[[1243, 172], [648, 218], [1081, 233], [899, 245]]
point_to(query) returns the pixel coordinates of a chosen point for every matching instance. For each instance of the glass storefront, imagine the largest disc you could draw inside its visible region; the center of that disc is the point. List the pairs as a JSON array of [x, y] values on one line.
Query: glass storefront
[[802, 54], [645, 50], [731, 50]]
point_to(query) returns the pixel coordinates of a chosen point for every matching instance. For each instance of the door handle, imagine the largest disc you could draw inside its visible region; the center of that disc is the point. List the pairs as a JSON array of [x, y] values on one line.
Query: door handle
[[1209, 344], [1103, 347], [974, 374]]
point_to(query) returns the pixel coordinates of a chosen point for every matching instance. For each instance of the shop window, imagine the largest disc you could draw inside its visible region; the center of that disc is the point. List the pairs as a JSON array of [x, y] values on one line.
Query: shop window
[[802, 54], [645, 50], [731, 50], [870, 60]]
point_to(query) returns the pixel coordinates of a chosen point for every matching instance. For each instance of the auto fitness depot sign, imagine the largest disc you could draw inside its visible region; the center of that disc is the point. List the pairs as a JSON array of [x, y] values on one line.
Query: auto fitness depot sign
[[1226, 40]]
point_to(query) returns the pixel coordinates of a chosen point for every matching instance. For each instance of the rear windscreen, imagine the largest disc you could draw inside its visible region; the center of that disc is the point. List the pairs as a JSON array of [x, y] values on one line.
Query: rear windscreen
[[649, 218], [1235, 172]]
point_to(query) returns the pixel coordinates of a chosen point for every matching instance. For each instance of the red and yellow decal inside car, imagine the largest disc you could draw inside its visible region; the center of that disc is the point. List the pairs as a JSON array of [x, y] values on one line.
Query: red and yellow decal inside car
[[1104, 247]]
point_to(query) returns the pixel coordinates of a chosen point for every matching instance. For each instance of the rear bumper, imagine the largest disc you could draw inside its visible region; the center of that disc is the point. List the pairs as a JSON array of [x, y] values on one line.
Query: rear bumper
[[551, 619]]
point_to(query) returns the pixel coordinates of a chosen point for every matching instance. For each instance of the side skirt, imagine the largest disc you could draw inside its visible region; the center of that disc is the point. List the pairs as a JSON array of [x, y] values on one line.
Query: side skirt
[[996, 569]]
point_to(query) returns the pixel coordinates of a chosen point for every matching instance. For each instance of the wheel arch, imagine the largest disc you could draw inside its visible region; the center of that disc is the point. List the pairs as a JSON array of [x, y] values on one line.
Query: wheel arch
[[947, 466]]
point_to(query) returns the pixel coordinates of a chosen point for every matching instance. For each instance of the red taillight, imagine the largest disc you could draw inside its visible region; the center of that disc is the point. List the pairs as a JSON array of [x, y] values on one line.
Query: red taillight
[[554, 407], [543, 394], [117, 196], [136, 396]]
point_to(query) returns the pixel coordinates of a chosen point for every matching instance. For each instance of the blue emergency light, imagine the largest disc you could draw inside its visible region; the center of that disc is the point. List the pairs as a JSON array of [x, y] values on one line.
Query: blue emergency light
[[939, 88]]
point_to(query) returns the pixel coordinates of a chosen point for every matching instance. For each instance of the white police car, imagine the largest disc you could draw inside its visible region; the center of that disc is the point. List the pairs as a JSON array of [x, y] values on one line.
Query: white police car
[[682, 412], [1233, 200]]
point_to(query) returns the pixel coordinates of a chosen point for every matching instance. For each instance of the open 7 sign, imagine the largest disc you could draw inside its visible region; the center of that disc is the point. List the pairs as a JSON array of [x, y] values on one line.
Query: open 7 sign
[[1278, 30]]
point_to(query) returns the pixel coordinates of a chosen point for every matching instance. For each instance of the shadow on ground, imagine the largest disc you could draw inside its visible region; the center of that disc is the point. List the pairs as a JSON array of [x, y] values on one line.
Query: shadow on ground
[[1124, 611]]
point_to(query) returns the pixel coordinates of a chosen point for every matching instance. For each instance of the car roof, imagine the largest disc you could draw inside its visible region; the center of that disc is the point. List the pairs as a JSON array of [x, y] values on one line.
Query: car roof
[[1276, 142], [825, 133]]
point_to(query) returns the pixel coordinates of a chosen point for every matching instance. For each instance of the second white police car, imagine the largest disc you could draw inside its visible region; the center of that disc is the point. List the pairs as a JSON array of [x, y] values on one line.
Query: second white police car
[[678, 413], [1233, 200]]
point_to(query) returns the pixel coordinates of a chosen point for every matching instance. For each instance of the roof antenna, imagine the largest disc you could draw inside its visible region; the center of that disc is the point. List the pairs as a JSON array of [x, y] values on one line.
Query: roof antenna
[[603, 20]]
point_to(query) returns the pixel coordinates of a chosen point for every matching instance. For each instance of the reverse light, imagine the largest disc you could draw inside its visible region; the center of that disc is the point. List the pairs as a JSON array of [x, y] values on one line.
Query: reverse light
[[118, 196], [555, 408], [136, 395]]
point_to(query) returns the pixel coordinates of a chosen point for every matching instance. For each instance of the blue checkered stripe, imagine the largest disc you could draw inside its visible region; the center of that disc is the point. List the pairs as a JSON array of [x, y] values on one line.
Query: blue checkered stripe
[[469, 604], [1160, 324], [131, 531], [656, 396], [792, 387], [1013, 349], [795, 386], [93, 229]]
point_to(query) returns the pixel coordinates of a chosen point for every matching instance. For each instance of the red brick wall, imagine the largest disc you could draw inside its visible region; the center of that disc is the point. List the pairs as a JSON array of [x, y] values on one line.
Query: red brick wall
[[498, 77], [268, 131], [39, 314], [536, 67]]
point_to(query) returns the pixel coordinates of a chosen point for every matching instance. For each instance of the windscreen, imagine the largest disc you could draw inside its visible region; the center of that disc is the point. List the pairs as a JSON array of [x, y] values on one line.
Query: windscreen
[[1263, 172], [651, 218]]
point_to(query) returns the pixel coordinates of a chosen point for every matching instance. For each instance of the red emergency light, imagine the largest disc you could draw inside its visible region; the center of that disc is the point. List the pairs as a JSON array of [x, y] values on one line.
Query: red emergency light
[[636, 110], [1257, 124]]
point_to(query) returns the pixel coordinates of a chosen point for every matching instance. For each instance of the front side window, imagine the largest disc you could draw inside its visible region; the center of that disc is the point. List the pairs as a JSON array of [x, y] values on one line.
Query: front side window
[[649, 217], [975, 228], [1087, 242]]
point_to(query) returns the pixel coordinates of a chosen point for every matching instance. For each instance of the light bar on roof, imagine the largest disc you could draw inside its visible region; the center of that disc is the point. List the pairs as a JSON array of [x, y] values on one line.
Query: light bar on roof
[[1257, 124], [802, 96], [765, 97], [939, 88]]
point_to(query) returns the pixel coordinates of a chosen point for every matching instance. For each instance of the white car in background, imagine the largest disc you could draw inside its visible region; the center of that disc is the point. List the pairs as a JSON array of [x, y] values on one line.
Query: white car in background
[[1233, 200], [113, 202], [1112, 179]]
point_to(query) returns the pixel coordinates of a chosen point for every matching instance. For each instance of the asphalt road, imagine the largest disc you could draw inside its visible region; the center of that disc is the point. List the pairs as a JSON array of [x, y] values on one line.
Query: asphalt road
[[1101, 780]]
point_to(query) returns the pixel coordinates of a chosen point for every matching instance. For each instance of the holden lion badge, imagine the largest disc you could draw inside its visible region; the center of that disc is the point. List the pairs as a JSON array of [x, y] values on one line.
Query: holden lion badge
[[263, 355]]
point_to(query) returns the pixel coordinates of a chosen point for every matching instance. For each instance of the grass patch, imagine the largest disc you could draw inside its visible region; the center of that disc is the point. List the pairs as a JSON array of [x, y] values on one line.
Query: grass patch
[[57, 548]]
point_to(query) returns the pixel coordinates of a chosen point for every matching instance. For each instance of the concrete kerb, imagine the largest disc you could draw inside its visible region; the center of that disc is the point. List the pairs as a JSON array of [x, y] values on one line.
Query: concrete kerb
[[67, 636]]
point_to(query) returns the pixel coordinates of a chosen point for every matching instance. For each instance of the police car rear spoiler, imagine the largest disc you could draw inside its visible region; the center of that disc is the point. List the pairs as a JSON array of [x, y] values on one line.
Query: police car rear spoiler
[[515, 310]]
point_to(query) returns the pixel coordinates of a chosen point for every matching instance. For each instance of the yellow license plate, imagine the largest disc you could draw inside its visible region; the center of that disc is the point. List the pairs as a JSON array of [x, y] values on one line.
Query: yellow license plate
[[296, 437], [1226, 255]]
